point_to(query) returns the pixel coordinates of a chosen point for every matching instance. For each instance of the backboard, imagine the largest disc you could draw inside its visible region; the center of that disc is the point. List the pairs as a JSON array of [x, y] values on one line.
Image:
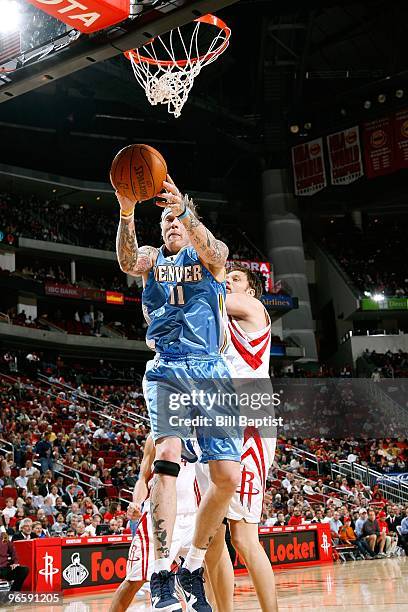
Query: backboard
[[35, 48]]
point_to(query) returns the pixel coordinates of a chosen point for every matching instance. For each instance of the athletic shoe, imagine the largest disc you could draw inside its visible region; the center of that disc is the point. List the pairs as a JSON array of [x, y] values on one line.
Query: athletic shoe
[[163, 594], [381, 556], [190, 588]]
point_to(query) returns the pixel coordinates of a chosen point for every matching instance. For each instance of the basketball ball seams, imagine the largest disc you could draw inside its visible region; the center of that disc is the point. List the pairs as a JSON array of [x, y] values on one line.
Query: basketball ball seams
[[142, 149], [154, 153], [132, 150]]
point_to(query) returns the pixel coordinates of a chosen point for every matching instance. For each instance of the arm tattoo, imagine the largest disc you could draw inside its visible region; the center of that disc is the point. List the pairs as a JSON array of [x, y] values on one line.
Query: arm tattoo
[[211, 250], [126, 246], [131, 258]]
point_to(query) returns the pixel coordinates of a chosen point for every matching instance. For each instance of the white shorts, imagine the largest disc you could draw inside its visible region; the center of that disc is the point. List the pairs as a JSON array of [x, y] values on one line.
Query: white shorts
[[140, 561], [247, 502]]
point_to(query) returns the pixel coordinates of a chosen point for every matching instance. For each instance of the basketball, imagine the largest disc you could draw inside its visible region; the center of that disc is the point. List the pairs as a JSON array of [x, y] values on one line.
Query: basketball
[[138, 172]]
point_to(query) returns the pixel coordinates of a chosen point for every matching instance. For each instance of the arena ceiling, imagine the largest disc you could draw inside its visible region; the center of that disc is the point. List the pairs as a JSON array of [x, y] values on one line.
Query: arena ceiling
[[289, 62]]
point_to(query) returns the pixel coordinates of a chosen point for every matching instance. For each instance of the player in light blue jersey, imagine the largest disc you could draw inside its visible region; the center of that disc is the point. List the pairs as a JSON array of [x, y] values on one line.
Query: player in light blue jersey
[[183, 302]]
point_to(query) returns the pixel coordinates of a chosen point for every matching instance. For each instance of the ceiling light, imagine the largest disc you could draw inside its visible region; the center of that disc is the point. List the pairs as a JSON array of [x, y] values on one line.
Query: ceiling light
[[10, 16], [399, 93], [378, 297], [367, 104], [382, 98], [294, 128]]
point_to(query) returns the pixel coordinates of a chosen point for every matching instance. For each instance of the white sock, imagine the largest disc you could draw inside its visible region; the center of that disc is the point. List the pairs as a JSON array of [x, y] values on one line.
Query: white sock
[[195, 558], [162, 564]]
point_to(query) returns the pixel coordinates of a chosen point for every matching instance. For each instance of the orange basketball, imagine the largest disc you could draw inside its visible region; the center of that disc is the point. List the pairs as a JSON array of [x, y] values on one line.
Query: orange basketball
[[138, 172]]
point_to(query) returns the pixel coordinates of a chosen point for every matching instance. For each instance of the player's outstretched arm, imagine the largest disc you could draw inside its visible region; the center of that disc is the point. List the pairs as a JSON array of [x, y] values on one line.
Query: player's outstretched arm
[[132, 259], [210, 250], [246, 308], [243, 306], [140, 491]]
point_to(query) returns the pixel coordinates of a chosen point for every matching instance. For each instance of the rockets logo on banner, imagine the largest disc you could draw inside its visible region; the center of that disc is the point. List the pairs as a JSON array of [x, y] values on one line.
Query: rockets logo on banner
[[344, 149], [309, 173]]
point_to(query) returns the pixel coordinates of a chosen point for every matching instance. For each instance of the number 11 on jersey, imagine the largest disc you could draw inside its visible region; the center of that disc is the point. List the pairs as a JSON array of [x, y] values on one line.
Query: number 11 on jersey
[[176, 297]]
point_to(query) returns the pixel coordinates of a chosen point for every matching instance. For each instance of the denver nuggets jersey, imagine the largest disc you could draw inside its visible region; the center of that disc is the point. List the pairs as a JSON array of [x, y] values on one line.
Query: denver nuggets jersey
[[184, 306]]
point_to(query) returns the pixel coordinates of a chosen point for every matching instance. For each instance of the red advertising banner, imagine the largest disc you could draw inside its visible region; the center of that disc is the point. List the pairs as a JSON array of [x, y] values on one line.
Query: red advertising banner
[[379, 147], [309, 173], [84, 565], [261, 267], [401, 139], [344, 149], [293, 546], [114, 297], [77, 293], [87, 15]]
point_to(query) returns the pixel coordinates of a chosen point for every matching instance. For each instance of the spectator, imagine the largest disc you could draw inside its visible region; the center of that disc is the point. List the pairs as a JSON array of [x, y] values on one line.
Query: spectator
[[14, 522], [393, 519], [335, 526], [360, 522], [404, 532], [59, 527], [37, 530], [80, 529], [69, 496], [22, 479], [372, 534], [8, 480], [390, 540], [9, 510], [46, 484], [13, 572], [348, 536], [297, 518], [114, 527], [44, 450], [91, 529], [25, 530]]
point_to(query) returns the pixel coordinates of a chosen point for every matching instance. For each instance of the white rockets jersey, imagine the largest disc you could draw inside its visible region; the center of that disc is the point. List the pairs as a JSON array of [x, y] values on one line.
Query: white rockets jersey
[[185, 490], [249, 352]]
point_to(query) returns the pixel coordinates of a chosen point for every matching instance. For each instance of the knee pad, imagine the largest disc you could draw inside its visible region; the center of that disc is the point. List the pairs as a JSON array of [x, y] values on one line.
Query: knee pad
[[169, 468]]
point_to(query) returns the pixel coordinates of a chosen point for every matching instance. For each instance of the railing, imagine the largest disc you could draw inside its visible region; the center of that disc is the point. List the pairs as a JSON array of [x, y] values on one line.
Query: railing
[[310, 457], [4, 318], [393, 490], [317, 497], [125, 495], [70, 476], [6, 447]]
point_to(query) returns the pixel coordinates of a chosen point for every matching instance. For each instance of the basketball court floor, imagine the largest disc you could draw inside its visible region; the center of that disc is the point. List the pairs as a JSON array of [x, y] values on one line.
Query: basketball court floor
[[380, 585]]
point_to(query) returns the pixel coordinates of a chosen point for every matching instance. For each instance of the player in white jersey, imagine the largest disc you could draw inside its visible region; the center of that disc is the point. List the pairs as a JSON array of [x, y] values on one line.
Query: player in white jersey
[[249, 352], [140, 564]]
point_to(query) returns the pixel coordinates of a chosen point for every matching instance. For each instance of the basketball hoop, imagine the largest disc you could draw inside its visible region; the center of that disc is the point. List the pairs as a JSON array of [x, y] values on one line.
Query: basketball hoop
[[167, 80]]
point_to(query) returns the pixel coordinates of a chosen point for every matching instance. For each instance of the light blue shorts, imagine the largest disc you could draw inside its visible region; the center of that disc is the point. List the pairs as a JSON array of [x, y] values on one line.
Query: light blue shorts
[[188, 396]]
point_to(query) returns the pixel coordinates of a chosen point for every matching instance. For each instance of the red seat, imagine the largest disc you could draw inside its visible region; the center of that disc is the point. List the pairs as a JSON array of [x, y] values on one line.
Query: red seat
[[10, 492], [2, 503]]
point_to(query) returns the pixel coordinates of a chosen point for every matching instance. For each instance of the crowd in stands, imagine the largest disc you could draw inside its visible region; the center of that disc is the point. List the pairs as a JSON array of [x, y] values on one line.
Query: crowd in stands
[[374, 257], [85, 322], [49, 220], [78, 446], [57, 274], [386, 365]]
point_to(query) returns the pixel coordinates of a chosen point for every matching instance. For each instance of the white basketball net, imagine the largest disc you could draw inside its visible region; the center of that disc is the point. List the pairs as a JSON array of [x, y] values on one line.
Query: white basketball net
[[159, 72]]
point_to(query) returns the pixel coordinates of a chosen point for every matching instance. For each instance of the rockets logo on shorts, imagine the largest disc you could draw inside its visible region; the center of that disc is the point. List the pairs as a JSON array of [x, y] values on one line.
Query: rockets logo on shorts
[[247, 489]]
